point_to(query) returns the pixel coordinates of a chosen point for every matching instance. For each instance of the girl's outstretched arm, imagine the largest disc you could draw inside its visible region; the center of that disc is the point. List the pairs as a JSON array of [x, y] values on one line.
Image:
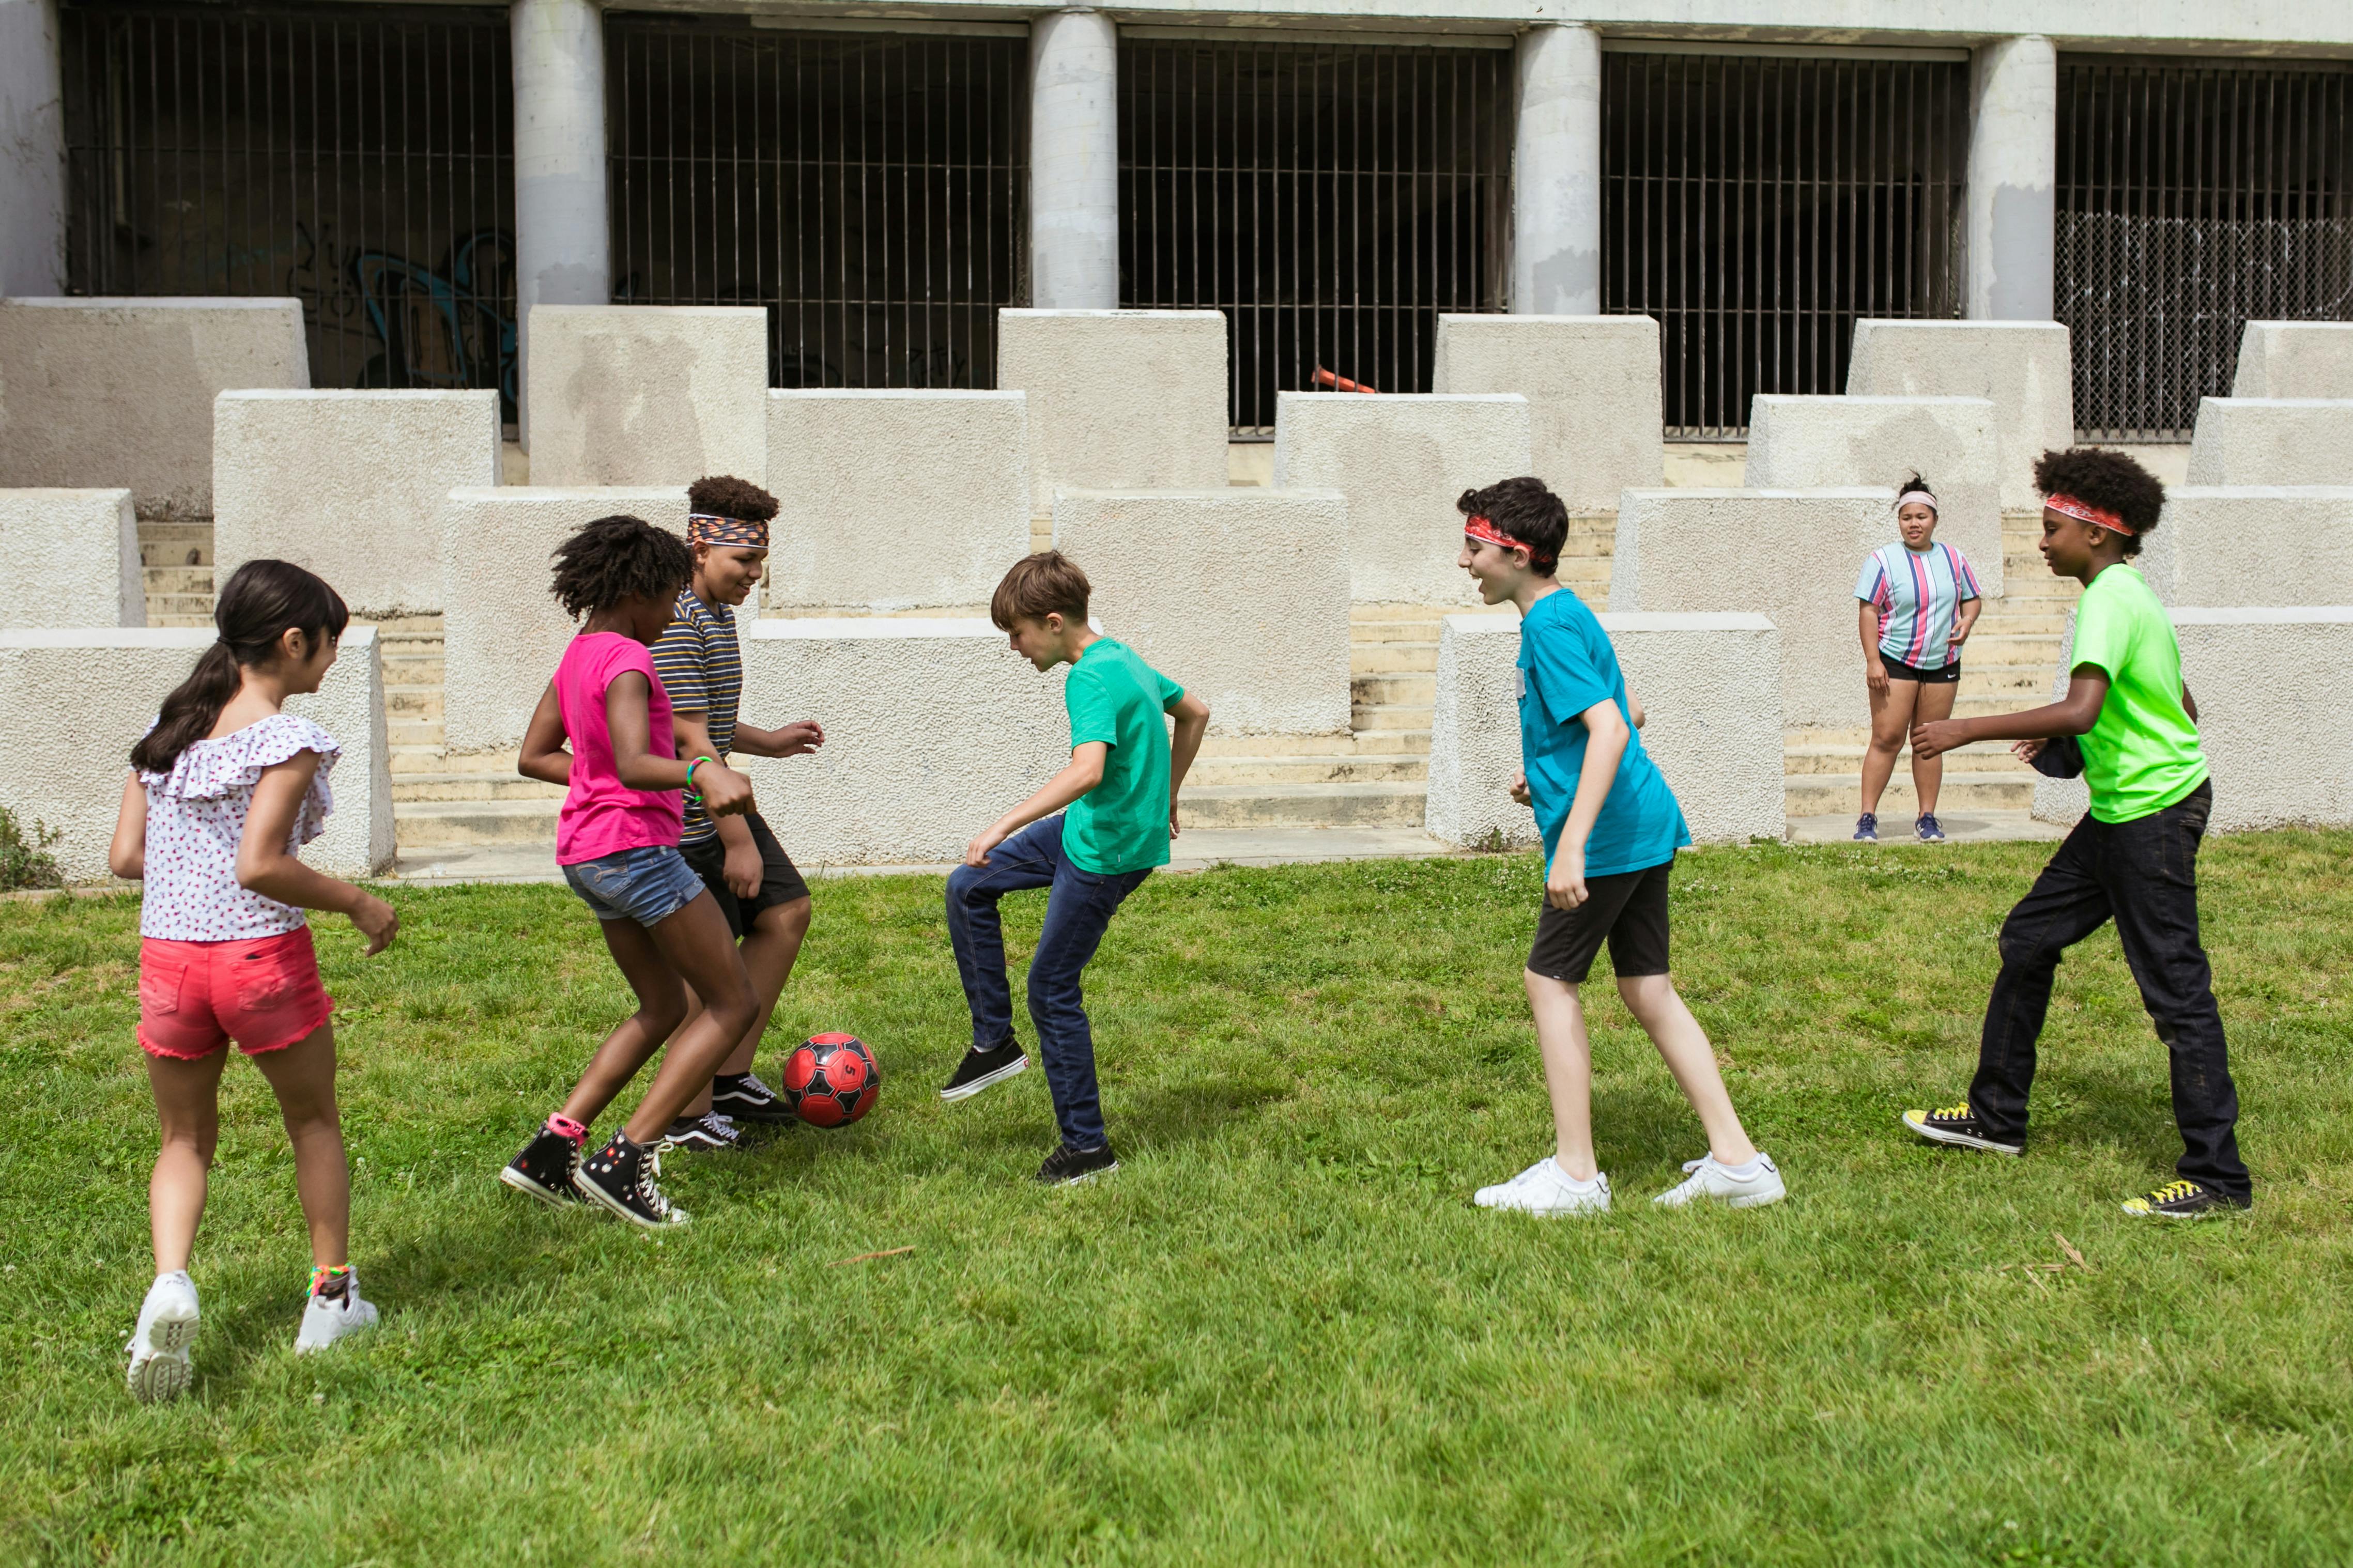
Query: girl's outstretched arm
[[127, 855], [543, 756], [266, 863]]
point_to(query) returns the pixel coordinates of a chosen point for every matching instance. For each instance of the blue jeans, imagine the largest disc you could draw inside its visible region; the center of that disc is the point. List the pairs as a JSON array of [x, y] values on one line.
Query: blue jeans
[[1078, 910], [647, 884]]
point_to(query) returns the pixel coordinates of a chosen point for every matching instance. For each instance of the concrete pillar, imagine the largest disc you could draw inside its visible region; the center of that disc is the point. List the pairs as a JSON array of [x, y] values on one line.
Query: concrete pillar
[[1556, 175], [561, 226], [1074, 162], [32, 151], [2013, 171]]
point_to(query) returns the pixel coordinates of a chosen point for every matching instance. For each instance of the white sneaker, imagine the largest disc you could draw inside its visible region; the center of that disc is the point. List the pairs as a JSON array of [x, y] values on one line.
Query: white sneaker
[[1710, 1178], [325, 1320], [159, 1346], [1544, 1188]]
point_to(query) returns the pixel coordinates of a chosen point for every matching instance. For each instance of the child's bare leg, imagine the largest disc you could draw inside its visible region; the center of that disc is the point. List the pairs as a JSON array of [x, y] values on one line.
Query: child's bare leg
[[302, 1076], [1568, 1071], [1928, 774], [1891, 722], [695, 945], [187, 1109], [1657, 1007], [661, 1003], [769, 951]]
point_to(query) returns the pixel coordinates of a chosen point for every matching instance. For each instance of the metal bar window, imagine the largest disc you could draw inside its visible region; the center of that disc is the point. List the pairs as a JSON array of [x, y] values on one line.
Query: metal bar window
[[356, 157], [1758, 204], [868, 189], [1331, 198], [2194, 196]]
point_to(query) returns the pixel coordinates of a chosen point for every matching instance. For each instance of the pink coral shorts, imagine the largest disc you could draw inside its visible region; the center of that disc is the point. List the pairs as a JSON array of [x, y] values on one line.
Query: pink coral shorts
[[196, 996]]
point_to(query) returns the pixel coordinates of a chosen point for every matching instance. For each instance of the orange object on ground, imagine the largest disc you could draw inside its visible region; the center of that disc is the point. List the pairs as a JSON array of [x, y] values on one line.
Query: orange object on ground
[[1339, 383]]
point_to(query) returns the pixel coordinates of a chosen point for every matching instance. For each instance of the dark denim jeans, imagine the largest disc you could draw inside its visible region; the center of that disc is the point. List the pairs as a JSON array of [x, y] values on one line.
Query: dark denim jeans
[[1078, 910], [2143, 875]]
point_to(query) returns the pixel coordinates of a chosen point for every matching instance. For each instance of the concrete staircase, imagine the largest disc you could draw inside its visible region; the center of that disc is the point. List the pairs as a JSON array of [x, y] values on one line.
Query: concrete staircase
[[440, 801], [176, 561]]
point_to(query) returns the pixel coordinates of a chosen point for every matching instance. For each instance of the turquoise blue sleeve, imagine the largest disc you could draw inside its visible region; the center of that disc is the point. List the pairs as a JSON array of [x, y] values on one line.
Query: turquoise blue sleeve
[[1566, 677], [1093, 715]]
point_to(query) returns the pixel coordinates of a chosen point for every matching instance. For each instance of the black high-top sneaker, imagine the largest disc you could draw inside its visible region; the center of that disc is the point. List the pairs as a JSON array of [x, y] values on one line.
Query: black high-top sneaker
[[1066, 1166], [742, 1097], [621, 1177], [980, 1069], [1959, 1126], [546, 1169]]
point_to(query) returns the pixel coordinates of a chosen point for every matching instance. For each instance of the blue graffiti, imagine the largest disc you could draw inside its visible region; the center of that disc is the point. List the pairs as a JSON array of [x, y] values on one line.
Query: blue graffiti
[[446, 327]]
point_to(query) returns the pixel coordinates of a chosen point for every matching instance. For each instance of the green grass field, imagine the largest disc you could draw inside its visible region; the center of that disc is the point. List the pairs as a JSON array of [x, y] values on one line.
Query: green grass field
[[1281, 1332]]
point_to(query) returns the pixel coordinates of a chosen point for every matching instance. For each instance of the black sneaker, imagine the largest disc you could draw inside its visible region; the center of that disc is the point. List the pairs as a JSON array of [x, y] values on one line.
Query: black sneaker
[[980, 1069], [621, 1177], [547, 1168], [742, 1097], [1958, 1125], [1067, 1166], [701, 1134], [2180, 1200]]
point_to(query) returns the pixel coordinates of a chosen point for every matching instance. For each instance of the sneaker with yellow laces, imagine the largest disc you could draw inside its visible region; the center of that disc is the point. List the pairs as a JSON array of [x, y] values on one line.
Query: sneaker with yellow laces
[[1959, 1126], [2179, 1200]]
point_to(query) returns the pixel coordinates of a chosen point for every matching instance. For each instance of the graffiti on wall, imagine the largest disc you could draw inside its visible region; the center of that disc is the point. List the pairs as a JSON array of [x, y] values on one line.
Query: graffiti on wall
[[448, 324]]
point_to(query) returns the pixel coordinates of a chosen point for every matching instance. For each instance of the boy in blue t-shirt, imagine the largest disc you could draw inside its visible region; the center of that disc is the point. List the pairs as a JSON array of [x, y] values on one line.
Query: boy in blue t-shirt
[[1611, 829]]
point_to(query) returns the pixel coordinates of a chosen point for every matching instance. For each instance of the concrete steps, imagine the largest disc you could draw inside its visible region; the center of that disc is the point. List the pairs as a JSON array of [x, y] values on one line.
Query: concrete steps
[[1825, 795], [1303, 804], [175, 566]]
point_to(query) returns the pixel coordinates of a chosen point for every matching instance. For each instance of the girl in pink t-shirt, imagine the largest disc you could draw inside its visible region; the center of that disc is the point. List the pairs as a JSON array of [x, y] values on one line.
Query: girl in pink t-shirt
[[617, 839], [225, 787]]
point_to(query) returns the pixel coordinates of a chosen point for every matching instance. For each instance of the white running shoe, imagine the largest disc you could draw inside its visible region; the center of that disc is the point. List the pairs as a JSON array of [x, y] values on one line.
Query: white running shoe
[[1709, 1178], [325, 1320], [159, 1346], [1544, 1188]]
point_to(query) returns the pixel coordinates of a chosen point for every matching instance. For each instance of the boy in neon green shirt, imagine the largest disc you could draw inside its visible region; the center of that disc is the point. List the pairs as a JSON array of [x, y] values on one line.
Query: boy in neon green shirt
[[2134, 859], [1119, 791]]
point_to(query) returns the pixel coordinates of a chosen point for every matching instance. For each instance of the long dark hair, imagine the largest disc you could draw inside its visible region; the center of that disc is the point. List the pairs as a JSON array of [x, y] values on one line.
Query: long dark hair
[[260, 602]]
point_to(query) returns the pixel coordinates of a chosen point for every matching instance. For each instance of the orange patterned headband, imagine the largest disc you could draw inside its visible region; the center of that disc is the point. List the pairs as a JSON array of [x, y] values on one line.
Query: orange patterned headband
[[709, 528], [2084, 512]]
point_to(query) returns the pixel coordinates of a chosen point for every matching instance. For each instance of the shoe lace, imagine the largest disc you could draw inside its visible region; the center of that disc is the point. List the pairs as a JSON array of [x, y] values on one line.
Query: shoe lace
[[1960, 1112], [752, 1081], [648, 1194], [2174, 1192], [720, 1127]]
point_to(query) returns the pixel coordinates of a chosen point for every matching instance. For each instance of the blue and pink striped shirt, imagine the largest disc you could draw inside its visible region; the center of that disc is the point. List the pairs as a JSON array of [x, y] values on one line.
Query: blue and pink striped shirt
[[1918, 593]]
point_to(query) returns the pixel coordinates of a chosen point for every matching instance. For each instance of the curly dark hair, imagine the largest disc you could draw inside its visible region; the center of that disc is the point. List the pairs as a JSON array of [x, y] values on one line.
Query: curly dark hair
[[2109, 480], [617, 558], [1525, 509], [724, 495], [1916, 483]]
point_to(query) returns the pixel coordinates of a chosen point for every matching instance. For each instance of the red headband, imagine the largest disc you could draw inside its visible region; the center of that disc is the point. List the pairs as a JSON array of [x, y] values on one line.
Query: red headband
[[1486, 532], [2084, 512]]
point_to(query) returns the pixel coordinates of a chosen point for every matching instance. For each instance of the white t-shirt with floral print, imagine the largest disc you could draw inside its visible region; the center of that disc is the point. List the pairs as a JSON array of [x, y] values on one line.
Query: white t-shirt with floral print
[[196, 816]]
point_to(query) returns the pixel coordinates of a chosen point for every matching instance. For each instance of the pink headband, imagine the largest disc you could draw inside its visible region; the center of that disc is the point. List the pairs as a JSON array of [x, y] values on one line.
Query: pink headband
[[1486, 532], [1922, 496], [2084, 512]]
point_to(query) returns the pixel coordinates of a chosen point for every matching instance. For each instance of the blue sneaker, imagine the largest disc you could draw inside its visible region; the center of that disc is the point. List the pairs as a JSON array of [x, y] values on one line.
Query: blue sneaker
[[1866, 828], [1930, 833]]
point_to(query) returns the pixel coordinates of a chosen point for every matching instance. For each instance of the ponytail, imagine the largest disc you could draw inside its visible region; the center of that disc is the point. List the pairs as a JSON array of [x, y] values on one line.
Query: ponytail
[[260, 602]]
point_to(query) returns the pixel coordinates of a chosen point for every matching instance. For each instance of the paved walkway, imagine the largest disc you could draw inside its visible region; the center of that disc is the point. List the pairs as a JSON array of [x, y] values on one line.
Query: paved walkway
[[1896, 832]]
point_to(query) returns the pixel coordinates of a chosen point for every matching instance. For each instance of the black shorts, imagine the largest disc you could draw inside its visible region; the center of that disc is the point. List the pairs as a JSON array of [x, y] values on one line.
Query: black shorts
[[1629, 909], [1899, 670], [780, 881]]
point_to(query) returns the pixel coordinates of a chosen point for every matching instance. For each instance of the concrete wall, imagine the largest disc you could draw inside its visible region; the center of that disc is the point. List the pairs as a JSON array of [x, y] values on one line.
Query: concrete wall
[[71, 558], [1241, 595], [2248, 547], [1557, 177], [933, 727], [353, 485], [32, 150], [2021, 366], [895, 500], [1402, 461], [2295, 359], [2010, 257], [70, 777], [1118, 399], [648, 394], [1798, 443], [107, 393], [2272, 441], [1074, 160], [2274, 740], [1790, 555], [1593, 391], [1712, 691], [502, 632], [560, 251]]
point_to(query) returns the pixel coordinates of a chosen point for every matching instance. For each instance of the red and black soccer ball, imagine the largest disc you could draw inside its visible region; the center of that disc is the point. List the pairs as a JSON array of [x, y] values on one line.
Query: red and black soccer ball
[[831, 1080]]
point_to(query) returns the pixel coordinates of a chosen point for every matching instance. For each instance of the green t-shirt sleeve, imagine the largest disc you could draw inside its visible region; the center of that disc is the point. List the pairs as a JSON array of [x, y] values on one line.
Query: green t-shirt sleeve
[[1093, 715], [1171, 693], [2103, 633]]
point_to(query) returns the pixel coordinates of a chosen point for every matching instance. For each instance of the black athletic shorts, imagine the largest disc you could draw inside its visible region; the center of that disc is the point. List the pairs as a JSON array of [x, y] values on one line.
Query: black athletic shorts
[[1629, 909], [1899, 670], [780, 881]]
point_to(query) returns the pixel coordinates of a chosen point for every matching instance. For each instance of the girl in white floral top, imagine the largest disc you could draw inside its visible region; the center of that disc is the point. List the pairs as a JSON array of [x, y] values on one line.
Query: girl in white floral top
[[223, 789]]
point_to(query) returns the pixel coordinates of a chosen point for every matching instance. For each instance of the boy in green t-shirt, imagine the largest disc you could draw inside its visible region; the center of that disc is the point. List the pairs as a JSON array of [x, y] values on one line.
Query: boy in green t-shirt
[[1119, 789], [2133, 859]]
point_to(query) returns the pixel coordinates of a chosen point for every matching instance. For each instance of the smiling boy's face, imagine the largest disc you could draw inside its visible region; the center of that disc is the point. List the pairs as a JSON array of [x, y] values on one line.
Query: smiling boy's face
[[724, 573], [1497, 569]]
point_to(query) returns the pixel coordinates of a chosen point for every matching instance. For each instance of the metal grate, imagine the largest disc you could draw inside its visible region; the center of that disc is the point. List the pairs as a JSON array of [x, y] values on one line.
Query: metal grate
[[2193, 198], [359, 158], [1330, 198], [867, 188], [1758, 204]]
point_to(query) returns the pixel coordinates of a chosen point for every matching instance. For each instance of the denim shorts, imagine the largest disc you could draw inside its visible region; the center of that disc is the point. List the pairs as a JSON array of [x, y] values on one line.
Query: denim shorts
[[647, 884]]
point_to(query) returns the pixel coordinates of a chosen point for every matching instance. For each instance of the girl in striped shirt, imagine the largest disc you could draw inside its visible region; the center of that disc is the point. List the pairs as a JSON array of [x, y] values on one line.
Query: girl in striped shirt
[[1918, 600]]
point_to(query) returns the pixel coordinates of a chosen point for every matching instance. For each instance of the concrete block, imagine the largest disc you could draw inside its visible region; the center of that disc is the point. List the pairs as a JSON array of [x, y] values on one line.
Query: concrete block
[[933, 727], [1118, 399], [1402, 460], [70, 777], [895, 500], [1711, 686], [2272, 441], [1239, 594], [1791, 555], [502, 632], [71, 558], [117, 393], [2023, 367], [2295, 359], [2274, 740], [648, 394], [1798, 443], [2253, 547], [1595, 414], [351, 485]]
